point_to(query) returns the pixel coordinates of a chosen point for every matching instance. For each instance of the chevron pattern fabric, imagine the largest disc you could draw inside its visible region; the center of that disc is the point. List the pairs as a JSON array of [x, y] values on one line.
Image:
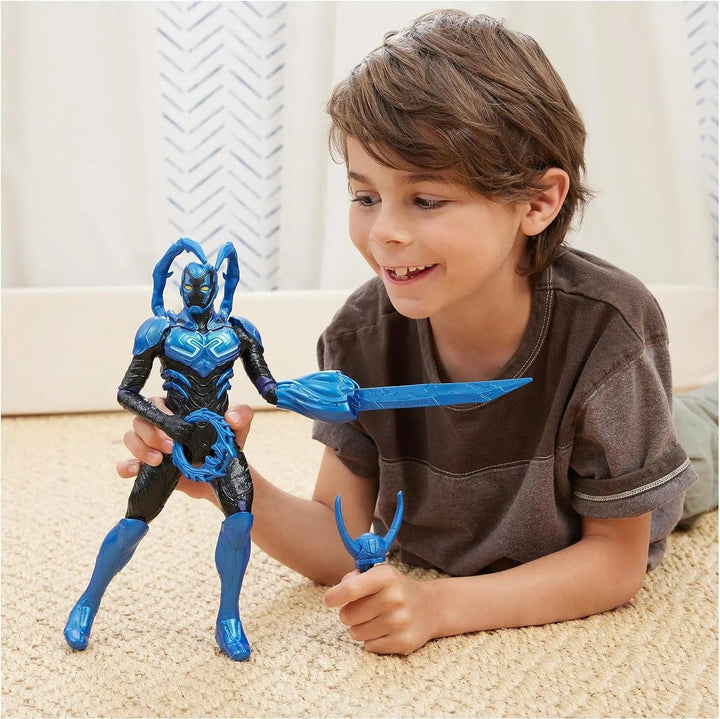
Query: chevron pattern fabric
[[221, 87], [701, 20]]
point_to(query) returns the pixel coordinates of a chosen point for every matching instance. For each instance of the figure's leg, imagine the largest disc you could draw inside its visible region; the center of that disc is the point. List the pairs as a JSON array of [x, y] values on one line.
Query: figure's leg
[[149, 494], [232, 555]]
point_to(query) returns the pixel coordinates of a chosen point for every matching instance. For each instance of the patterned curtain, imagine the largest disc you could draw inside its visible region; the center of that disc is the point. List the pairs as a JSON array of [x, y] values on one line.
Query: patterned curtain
[[701, 22], [221, 69], [126, 125]]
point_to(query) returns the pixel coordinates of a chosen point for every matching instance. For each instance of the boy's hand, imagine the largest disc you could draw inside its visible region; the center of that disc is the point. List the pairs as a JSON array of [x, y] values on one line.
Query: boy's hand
[[147, 444], [387, 611]]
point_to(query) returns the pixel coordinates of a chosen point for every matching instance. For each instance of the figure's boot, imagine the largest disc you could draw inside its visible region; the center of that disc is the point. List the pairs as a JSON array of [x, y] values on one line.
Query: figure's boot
[[231, 558], [115, 552]]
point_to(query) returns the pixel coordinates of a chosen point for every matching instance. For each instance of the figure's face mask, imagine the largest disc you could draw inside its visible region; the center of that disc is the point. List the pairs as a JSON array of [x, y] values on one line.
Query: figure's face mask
[[198, 287]]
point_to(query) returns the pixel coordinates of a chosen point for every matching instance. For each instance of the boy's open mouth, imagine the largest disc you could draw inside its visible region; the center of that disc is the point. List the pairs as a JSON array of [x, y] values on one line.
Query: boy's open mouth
[[404, 274]]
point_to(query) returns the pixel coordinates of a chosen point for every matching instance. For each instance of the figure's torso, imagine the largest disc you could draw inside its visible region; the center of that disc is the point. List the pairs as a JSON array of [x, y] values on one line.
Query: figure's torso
[[197, 367], [202, 352]]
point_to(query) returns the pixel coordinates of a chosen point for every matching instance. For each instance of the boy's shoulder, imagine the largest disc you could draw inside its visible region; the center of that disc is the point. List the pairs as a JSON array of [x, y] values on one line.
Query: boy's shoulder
[[583, 277]]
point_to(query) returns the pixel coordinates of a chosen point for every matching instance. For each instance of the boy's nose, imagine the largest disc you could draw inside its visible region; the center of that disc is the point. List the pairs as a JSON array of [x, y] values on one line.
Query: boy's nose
[[388, 228]]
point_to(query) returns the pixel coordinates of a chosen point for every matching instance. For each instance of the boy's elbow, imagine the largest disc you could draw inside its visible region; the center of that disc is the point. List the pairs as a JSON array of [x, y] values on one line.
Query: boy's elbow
[[625, 582], [621, 551], [329, 576], [632, 584]]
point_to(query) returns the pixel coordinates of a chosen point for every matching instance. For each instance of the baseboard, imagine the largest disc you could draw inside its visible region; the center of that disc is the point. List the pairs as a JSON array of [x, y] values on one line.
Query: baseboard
[[66, 350]]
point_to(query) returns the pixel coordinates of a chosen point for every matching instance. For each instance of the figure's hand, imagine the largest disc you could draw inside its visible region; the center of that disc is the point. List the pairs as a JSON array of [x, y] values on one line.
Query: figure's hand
[[270, 395], [386, 610], [199, 440], [268, 389], [183, 432]]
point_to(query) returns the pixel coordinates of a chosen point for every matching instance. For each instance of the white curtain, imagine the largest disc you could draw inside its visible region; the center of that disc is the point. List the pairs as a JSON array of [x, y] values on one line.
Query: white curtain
[[93, 92]]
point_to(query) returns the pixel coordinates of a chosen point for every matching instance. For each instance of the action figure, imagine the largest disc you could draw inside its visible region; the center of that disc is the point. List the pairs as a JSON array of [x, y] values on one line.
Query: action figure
[[197, 350]]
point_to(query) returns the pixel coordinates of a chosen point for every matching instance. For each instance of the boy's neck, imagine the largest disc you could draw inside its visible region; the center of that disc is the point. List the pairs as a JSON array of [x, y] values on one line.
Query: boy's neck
[[473, 345]]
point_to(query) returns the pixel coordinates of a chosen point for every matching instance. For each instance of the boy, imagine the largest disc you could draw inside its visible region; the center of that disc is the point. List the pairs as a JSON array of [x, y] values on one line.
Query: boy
[[464, 155]]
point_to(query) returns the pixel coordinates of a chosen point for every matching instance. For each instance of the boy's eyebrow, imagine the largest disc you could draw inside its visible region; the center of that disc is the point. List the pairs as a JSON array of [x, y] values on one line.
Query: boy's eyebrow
[[406, 179]]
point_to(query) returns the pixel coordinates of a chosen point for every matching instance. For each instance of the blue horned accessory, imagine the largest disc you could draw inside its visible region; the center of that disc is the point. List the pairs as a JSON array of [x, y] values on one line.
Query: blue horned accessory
[[162, 272], [369, 549]]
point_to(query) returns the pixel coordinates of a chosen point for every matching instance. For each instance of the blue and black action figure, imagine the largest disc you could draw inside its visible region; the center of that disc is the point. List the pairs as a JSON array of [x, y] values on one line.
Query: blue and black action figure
[[197, 350]]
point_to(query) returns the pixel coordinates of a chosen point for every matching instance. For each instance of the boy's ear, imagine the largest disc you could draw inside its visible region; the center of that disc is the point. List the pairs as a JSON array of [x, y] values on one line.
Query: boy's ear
[[542, 209]]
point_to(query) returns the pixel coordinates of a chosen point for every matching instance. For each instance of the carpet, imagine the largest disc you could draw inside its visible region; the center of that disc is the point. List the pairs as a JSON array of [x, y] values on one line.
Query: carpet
[[152, 652]]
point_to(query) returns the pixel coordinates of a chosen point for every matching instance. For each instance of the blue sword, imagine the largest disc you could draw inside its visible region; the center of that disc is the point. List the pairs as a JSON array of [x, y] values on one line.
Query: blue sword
[[332, 396]]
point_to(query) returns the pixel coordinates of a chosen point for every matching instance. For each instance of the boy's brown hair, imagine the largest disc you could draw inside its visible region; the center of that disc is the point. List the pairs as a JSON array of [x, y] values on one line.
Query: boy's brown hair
[[462, 94]]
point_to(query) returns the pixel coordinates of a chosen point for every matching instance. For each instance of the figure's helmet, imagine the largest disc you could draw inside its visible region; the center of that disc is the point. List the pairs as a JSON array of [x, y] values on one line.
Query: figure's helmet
[[199, 287], [200, 282]]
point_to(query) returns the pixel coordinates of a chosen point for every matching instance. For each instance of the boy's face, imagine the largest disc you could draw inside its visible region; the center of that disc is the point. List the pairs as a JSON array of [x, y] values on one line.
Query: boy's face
[[439, 248]]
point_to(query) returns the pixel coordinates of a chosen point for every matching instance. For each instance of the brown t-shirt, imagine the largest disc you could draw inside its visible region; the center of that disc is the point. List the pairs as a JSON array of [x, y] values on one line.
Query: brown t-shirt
[[488, 486]]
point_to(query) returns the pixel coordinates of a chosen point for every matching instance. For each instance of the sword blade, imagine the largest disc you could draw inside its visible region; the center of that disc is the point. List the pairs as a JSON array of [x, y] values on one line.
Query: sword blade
[[437, 394]]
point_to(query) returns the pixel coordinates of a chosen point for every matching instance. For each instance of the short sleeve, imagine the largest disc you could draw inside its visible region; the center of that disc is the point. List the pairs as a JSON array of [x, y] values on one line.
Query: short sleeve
[[626, 459], [355, 449]]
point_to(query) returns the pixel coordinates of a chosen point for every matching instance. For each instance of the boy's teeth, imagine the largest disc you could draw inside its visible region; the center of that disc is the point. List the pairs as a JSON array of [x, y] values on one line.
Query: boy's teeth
[[403, 271]]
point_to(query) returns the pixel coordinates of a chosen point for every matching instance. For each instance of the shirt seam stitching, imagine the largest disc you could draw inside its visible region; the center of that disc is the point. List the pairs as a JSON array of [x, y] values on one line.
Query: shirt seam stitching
[[638, 490]]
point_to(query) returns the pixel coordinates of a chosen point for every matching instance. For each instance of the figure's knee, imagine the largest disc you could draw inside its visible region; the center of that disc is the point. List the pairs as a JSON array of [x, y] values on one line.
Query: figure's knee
[[235, 489], [153, 487]]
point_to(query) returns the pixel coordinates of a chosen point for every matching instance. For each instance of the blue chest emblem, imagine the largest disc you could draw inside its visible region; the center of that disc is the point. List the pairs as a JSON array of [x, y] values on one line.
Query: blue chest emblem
[[202, 352]]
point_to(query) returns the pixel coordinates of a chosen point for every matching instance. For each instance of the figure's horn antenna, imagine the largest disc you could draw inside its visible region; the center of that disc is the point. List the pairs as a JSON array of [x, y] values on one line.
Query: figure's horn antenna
[[350, 544], [397, 521], [232, 276]]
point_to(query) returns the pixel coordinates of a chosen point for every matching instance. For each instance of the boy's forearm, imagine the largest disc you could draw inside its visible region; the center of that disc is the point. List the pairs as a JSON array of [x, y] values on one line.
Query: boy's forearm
[[579, 581], [298, 532]]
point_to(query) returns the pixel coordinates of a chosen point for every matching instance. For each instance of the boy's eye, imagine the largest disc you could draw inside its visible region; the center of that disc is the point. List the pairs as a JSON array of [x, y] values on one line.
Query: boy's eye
[[204, 288], [426, 204], [188, 287], [363, 200]]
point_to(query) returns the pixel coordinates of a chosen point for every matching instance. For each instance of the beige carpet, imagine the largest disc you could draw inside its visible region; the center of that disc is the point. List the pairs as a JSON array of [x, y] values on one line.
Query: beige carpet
[[152, 653]]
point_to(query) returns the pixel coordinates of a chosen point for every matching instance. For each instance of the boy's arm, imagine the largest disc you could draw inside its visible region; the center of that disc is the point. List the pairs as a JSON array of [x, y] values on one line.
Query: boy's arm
[[394, 614], [301, 533], [600, 572]]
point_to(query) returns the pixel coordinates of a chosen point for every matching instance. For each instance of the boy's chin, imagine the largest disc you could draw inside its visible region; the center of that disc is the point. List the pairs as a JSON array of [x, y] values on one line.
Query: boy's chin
[[410, 309]]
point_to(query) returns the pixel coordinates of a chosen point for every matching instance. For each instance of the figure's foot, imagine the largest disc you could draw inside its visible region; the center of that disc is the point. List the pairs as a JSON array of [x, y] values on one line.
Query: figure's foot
[[79, 624], [231, 639]]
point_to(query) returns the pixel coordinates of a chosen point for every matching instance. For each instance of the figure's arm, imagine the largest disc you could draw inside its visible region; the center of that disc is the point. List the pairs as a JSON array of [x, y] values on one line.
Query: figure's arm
[[392, 613], [253, 359], [148, 343]]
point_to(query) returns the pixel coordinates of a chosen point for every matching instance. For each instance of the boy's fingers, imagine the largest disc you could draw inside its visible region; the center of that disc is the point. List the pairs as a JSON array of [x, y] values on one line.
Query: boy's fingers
[[128, 468], [142, 451], [151, 436], [353, 587], [239, 418]]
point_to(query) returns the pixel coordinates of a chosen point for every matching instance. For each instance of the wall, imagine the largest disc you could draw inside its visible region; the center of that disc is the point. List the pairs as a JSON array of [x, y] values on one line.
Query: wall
[[99, 96]]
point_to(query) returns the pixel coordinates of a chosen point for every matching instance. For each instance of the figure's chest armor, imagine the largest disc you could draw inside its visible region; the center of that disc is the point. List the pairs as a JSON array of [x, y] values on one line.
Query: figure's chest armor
[[202, 352]]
